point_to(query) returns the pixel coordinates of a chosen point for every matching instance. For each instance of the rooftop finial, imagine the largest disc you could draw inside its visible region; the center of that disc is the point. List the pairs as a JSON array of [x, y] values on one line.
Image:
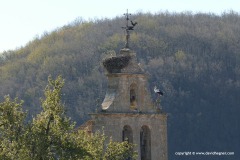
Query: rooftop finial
[[128, 28]]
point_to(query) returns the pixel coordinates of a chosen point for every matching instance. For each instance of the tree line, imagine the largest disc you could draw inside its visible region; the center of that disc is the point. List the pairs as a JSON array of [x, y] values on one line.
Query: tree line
[[193, 58]]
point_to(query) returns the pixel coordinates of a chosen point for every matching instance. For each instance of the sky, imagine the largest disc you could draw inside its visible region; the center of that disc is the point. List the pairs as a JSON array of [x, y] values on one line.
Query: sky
[[23, 20]]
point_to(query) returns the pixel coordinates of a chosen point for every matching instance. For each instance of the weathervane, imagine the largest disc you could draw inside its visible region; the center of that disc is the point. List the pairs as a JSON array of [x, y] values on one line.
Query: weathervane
[[128, 28]]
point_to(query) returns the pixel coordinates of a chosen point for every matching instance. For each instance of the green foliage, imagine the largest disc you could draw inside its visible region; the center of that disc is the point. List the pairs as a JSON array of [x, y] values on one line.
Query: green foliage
[[51, 135], [11, 128], [119, 151], [180, 55]]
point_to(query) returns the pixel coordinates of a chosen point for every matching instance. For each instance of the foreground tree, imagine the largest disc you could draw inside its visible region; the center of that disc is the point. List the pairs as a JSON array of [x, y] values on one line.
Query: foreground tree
[[11, 128], [51, 134]]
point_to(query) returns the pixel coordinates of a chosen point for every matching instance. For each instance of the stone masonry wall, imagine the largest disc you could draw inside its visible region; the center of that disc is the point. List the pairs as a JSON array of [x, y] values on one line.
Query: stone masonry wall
[[113, 126]]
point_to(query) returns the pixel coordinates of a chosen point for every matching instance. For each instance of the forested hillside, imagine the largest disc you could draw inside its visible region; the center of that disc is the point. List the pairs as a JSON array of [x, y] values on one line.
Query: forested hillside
[[193, 58]]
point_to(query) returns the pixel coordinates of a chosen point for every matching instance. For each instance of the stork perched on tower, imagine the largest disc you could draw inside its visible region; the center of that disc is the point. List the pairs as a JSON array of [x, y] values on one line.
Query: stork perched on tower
[[156, 90]]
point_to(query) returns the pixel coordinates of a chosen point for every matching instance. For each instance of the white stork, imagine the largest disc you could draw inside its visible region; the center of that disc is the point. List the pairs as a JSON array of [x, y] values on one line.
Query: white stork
[[156, 90]]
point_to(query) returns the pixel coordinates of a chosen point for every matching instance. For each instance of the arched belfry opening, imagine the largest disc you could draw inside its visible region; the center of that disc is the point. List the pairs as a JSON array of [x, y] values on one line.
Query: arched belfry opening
[[127, 134], [145, 143], [133, 96]]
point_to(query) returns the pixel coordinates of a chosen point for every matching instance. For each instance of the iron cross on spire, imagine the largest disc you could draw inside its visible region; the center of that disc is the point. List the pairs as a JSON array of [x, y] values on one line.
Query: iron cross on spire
[[128, 28]]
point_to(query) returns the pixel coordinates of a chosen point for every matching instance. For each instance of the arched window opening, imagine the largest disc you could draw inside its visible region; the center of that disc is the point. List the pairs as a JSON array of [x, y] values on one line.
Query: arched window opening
[[145, 143], [133, 97], [127, 134]]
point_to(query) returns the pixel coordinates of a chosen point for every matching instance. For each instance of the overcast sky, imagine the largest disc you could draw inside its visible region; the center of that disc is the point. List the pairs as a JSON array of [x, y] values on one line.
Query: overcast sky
[[22, 20]]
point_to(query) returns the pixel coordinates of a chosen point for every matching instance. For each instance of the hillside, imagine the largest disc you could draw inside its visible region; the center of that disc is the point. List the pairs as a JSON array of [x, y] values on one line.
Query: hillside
[[193, 58]]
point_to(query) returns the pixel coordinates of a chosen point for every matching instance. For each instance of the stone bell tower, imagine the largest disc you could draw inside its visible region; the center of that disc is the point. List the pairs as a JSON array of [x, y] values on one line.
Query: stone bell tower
[[127, 112]]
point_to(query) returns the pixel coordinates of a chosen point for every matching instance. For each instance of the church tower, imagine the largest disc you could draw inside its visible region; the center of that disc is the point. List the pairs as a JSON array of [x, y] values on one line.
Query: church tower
[[127, 112]]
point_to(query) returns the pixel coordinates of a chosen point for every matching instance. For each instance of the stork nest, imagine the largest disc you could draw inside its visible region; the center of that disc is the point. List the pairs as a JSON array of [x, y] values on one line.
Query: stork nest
[[115, 64]]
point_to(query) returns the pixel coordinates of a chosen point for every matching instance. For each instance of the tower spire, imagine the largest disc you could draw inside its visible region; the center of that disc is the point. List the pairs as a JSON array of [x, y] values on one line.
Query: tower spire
[[128, 27]]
